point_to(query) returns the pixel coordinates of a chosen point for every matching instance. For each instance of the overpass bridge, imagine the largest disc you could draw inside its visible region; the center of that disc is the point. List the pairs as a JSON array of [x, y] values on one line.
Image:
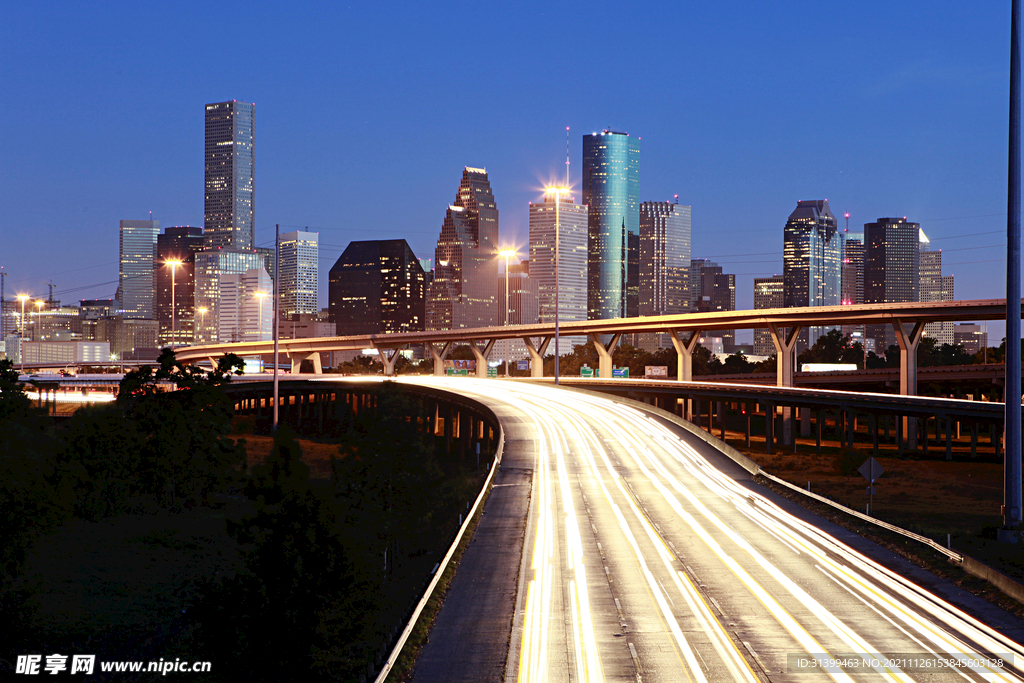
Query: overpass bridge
[[784, 325]]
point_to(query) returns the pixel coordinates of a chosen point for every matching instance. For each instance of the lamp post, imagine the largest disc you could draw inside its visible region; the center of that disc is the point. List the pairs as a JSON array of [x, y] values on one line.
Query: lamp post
[[173, 263], [202, 324], [507, 253], [260, 295], [21, 338], [558, 192]]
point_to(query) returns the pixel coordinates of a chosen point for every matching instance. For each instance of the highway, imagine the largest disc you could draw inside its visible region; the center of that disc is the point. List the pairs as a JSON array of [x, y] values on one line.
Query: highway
[[647, 558]]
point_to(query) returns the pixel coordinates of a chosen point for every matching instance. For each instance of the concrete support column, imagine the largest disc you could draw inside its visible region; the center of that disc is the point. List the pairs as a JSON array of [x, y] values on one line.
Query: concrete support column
[[537, 352], [805, 421], [388, 358], [684, 353], [908, 371], [481, 356], [296, 358], [605, 352], [785, 359], [439, 357]]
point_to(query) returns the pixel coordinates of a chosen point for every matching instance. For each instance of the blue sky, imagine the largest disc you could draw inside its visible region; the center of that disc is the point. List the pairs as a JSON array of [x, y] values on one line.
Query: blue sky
[[365, 116]]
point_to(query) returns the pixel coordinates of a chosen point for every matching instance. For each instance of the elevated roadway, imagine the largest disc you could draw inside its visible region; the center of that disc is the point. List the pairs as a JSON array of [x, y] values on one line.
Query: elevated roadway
[[784, 324], [649, 555]]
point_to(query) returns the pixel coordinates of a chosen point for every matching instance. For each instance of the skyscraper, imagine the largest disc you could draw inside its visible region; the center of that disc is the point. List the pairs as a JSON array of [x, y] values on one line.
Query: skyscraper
[[611, 187], [211, 266], [229, 206], [811, 255], [137, 278], [176, 244], [464, 291], [891, 269], [572, 261], [852, 276], [377, 286], [664, 258], [245, 309], [717, 292], [299, 269], [767, 294], [664, 265]]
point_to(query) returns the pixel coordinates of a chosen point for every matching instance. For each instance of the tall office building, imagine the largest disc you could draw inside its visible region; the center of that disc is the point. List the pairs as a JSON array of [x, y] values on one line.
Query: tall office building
[[210, 266], [229, 207], [664, 265], [810, 267], [299, 268], [177, 244], [377, 286], [716, 292], [891, 270], [464, 291], [934, 286], [137, 278], [768, 293], [664, 258], [611, 187], [572, 261], [245, 309], [851, 277]]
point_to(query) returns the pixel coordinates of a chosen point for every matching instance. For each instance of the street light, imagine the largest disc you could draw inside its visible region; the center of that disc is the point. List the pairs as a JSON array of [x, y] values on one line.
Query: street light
[[21, 338], [558, 192], [507, 253], [173, 263], [202, 325], [260, 295]]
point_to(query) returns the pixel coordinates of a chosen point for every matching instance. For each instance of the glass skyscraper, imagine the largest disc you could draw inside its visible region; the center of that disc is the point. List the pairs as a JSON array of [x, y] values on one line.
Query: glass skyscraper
[[611, 187], [891, 269], [464, 292], [137, 277], [229, 207], [299, 269], [210, 266], [811, 261], [664, 265]]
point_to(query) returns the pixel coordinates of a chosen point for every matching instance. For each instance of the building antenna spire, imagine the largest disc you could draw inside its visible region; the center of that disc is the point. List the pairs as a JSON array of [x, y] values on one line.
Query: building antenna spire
[[567, 156]]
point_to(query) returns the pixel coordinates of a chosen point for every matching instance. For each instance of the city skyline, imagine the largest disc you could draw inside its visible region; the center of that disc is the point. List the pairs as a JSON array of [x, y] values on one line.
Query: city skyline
[[733, 147]]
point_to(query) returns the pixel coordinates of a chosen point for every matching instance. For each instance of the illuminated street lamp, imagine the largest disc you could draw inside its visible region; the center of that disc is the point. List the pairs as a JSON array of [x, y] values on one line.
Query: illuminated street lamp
[[173, 263], [507, 253], [21, 339], [202, 324], [558, 192], [260, 296]]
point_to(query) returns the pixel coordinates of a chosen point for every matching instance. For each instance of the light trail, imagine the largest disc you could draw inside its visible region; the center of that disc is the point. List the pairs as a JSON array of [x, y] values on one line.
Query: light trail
[[655, 487]]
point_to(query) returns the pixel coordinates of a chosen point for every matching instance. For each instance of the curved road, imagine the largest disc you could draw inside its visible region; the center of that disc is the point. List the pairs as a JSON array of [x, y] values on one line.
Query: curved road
[[646, 559]]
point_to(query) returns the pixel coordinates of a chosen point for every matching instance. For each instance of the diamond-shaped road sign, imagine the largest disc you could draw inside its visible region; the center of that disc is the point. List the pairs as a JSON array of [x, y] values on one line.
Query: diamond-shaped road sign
[[871, 470]]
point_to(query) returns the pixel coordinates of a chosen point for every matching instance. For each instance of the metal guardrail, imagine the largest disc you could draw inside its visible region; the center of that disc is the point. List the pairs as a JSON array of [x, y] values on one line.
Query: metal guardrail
[[951, 554], [407, 631]]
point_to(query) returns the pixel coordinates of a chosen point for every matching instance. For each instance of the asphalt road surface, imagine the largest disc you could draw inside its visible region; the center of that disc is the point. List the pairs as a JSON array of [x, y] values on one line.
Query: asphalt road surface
[[646, 558]]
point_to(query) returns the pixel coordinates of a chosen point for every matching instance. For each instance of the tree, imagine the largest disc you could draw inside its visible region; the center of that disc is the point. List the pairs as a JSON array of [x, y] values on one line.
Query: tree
[[833, 347], [185, 453], [705, 362], [292, 607], [737, 364]]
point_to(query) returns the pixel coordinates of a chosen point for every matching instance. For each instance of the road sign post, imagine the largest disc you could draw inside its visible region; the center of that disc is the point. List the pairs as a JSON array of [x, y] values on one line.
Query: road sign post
[[871, 470]]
